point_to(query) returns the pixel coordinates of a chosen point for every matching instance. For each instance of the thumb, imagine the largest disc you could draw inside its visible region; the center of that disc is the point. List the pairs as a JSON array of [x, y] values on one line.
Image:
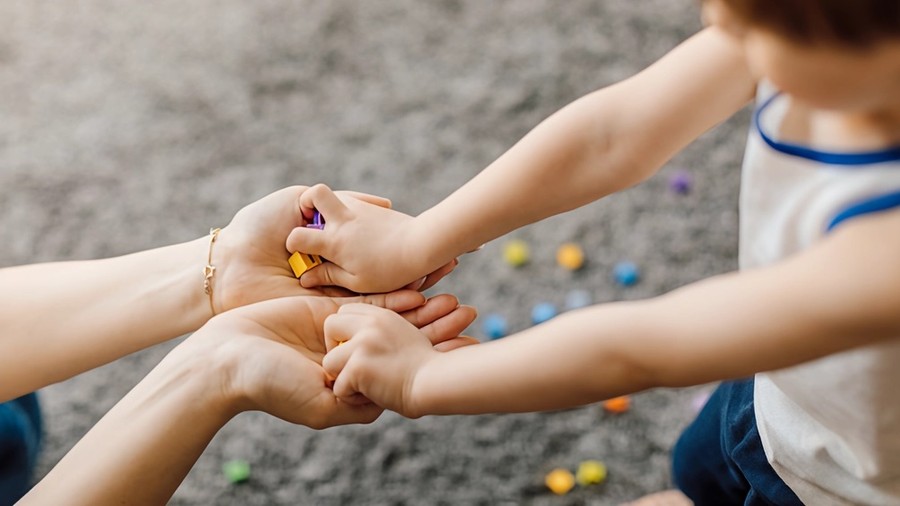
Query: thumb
[[367, 198], [343, 413], [327, 274], [307, 240]]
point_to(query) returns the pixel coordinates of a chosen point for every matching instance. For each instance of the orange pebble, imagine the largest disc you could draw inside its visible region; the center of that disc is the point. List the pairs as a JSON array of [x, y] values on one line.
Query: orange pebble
[[560, 481], [570, 256], [617, 404]]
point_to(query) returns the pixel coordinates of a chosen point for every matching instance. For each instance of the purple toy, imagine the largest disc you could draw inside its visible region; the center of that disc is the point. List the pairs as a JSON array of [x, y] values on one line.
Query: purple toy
[[318, 221]]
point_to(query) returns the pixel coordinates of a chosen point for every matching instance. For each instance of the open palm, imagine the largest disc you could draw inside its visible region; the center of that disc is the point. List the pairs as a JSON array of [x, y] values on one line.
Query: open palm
[[279, 346]]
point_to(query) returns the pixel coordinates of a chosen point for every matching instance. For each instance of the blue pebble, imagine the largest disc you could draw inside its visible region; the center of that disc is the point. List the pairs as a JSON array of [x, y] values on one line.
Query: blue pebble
[[495, 326], [577, 299], [626, 273], [542, 312]]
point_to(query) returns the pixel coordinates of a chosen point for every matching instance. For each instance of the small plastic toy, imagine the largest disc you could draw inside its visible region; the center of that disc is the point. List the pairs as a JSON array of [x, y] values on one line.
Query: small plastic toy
[[516, 253], [680, 182], [560, 481], [626, 273], [577, 299], [495, 326], [318, 221], [617, 405], [590, 472], [302, 262], [236, 471], [570, 256], [542, 312]]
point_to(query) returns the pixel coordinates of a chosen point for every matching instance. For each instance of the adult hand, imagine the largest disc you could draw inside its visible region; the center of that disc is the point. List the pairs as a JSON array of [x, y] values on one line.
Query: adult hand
[[274, 351]]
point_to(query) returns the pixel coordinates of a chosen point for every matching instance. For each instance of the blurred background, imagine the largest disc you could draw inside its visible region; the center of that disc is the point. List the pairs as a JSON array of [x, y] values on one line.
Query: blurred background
[[130, 125]]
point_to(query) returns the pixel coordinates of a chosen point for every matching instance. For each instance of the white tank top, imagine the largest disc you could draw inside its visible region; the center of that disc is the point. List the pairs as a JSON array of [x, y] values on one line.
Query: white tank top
[[831, 427]]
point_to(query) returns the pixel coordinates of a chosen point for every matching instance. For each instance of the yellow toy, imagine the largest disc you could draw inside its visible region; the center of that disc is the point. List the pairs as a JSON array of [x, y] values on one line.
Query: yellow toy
[[301, 262]]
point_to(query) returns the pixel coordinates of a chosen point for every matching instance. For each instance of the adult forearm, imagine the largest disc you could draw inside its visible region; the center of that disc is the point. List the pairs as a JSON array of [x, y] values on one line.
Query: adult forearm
[[144, 447], [61, 319]]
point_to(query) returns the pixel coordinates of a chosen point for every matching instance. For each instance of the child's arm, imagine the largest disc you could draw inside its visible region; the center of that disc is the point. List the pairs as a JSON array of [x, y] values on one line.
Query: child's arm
[[839, 294], [60, 319], [602, 143], [265, 357]]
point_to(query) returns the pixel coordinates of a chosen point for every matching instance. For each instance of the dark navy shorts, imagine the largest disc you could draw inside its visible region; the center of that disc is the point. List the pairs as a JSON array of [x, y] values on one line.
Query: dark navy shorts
[[719, 459], [20, 441]]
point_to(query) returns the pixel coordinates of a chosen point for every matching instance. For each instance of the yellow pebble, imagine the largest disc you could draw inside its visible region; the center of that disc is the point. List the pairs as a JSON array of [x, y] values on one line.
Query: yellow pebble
[[570, 256], [516, 253], [560, 481], [590, 472]]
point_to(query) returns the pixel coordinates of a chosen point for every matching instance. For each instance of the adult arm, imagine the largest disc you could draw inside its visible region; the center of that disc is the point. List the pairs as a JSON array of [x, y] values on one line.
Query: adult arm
[[266, 356], [60, 319]]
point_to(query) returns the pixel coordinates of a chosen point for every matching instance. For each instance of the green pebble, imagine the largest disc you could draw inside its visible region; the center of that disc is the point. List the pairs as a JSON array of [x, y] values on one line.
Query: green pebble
[[236, 471]]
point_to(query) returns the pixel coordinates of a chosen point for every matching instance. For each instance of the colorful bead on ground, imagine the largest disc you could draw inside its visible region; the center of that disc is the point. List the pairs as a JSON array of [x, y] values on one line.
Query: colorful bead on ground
[[236, 471], [680, 182], [626, 273], [577, 299], [560, 481], [570, 256], [617, 404], [590, 472], [495, 326], [516, 253], [542, 312]]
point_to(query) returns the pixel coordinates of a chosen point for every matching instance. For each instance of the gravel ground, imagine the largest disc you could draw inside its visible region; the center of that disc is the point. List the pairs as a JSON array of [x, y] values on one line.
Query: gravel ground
[[129, 125]]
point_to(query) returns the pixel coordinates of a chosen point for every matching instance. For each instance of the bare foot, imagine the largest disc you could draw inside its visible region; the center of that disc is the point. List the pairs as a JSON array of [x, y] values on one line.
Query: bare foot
[[667, 498]]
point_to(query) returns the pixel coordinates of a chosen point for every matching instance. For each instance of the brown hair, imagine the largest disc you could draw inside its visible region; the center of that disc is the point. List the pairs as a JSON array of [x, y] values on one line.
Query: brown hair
[[852, 22]]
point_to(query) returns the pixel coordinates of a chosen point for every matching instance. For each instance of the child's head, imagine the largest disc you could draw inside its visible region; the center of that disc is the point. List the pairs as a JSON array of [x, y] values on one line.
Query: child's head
[[834, 54]]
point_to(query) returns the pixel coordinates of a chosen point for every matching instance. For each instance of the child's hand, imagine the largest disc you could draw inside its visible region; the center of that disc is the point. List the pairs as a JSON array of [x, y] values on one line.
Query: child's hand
[[375, 355], [274, 351], [369, 248], [249, 256]]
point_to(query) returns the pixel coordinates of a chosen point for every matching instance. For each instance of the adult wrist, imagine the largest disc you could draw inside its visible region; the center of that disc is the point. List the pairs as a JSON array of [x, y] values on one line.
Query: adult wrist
[[216, 362]]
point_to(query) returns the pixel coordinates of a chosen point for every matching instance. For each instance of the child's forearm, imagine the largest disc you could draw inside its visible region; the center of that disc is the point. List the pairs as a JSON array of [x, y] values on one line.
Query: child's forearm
[[834, 297], [602, 143], [569, 160], [60, 319], [564, 363], [144, 447]]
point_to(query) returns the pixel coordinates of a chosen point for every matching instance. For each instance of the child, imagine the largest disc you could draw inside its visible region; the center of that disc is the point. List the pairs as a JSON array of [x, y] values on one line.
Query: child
[[813, 313]]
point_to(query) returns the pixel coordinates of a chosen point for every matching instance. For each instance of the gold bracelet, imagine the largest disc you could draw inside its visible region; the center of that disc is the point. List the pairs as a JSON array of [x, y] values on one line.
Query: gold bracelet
[[210, 270]]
